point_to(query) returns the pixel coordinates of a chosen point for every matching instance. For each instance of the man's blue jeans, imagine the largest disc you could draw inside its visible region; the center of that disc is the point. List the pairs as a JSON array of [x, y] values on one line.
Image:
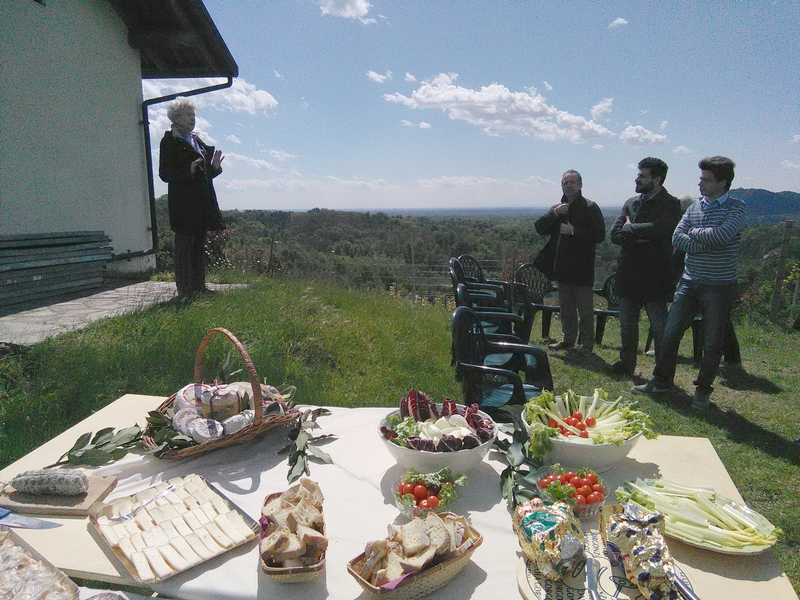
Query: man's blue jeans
[[714, 302], [629, 311]]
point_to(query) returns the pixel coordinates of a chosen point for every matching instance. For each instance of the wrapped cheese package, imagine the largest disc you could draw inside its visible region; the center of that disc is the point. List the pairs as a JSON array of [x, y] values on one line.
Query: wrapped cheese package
[[550, 536], [633, 539]]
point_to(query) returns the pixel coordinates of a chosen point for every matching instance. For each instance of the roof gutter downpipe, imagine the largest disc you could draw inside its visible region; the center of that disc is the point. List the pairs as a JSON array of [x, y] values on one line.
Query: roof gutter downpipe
[[147, 149]]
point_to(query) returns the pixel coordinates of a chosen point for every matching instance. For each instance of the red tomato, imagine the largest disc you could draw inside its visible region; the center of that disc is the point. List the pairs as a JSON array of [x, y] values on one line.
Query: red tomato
[[423, 503], [594, 497], [408, 488], [591, 421], [580, 499], [562, 479], [584, 490], [590, 478], [584, 434], [552, 423], [580, 425], [576, 482], [598, 487], [571, 421], [433, 501], [420, 491], [569, 475], [578, 415]]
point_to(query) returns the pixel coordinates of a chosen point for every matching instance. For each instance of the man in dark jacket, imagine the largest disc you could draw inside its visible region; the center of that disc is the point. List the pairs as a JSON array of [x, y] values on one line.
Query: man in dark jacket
[[645, 274], [575, 227], [188, 166]]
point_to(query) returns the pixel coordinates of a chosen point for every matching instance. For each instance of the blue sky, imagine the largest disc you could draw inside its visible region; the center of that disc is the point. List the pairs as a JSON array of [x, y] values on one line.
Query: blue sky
[[349, 104]]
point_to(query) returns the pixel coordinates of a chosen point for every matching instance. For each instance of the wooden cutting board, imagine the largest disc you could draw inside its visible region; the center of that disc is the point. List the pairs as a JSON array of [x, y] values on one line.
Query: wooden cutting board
[[77, 506]]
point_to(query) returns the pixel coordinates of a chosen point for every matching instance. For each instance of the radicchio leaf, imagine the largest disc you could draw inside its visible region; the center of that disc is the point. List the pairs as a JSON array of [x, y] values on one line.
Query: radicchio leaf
[[389, 434], [449, 408], [485, 433], [427, 407], [449, 443], [472, 417], [417, 443], [472, 441]]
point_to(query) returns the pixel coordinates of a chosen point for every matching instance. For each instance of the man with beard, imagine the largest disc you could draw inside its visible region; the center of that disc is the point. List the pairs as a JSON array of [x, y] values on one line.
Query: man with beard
[[645, 274]]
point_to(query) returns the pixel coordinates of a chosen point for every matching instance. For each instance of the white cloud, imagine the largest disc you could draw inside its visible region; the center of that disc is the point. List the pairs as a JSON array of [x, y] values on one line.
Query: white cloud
[[602, 108], [280, 154], [406, 123], [632, 167], [470, 181], [498, 110], [682, 150], [618, 22], [236, 159], [377, 77], [598, 147], [355, 183], [664, 124], [240, 97], [347, 9], [547, 86], [233, 138], [786, 165], [795, 138], [639, 136], [424, 125], [410, 77], [278, 75]]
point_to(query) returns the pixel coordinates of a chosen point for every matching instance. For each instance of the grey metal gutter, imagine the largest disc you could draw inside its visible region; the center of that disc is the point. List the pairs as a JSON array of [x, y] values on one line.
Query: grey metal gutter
[[149, 154]]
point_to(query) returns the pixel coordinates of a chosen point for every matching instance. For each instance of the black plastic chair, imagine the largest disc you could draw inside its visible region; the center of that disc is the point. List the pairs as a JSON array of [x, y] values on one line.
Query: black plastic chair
[[473, 272], [533, 286], [495, 321], [490, 371], [477, 289], [607, 292]]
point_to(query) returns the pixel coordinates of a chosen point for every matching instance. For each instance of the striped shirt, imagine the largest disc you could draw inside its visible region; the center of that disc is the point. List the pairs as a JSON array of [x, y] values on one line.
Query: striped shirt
[[709, 234]]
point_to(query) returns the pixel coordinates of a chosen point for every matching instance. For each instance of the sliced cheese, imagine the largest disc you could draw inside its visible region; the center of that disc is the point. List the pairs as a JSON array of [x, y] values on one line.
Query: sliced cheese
[[219, 537], [144, 495], [132, 527], [157, 563], [138, 542], [238, 522], [181, 527], [209, 510], [191, 502], [200, 515], [169, 512], [199, 547], [120, 530], [219, 504], [185, 550], [173, 558], [127, 549], [229, 529], [191, 521], [169, 530], [155, 537], [206, 538], [142, 567], [144, 520], [111, 536]]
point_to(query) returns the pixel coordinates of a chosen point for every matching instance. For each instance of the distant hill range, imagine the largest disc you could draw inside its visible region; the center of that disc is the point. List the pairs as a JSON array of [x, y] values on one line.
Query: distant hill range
[[769, 207]]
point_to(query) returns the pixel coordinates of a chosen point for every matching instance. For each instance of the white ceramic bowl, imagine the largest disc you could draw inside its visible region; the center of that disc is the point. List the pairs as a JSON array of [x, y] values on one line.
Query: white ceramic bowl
[[461, 461], [598, 457]]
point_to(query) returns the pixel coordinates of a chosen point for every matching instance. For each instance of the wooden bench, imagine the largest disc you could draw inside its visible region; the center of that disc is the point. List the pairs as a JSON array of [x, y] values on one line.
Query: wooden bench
[[39, 266]]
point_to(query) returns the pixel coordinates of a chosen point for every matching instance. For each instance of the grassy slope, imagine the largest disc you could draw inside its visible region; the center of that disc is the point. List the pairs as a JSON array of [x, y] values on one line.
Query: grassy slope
[[361, 349]]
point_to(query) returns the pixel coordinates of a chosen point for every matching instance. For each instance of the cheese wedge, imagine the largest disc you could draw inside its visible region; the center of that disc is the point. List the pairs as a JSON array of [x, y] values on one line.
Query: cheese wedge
[[199, 547], [185, 550], [142, 567], [181, 527], [229, 529], [219, 537], [157, 563], [173, 558]]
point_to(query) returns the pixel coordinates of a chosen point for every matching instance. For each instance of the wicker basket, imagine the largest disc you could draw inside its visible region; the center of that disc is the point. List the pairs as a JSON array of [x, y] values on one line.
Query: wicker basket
[[290, 574], [260, 424], [419, 584]]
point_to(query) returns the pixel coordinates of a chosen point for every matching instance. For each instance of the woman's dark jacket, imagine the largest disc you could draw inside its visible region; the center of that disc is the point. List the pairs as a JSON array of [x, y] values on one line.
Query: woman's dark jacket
[[646, 270], [192, 201], [570, 258]]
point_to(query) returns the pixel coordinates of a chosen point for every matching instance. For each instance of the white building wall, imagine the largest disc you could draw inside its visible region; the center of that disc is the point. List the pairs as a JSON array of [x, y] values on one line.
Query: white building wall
[[72, 154]]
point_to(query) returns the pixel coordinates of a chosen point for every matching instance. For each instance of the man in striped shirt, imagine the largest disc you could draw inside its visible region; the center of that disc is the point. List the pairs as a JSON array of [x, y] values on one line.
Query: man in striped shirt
[[709, 234]]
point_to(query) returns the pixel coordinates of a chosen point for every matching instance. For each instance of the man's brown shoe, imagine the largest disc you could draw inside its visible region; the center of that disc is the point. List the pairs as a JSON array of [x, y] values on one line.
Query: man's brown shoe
[[562, 345]]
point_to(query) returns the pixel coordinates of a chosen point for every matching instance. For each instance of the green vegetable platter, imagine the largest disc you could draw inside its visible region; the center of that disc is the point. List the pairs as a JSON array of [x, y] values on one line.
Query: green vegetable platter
[[702, 518], [418, 493]]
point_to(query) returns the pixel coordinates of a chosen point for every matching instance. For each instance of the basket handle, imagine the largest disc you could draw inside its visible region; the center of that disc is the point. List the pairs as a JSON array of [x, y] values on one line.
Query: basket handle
[[248, 363]]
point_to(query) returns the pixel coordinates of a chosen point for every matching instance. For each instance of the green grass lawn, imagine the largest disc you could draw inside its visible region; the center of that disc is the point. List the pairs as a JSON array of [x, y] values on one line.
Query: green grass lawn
[[344, 348]]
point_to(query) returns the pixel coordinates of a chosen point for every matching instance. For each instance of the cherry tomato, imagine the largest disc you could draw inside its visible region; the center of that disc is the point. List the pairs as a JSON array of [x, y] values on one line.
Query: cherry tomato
[[594, 497], [433, 501], [552, 423], [569, 475], [584, 490], [580, 425], [584, 434], [408, 488], [580, 499], [571, 421], [423, 503], [598, 487], [563, 479], [591, 421], [578, 415], [590, 479], [576, 482], [420, 491]]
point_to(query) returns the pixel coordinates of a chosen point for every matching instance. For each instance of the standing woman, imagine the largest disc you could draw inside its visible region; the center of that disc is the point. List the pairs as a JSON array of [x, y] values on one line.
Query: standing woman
[[188, 166]]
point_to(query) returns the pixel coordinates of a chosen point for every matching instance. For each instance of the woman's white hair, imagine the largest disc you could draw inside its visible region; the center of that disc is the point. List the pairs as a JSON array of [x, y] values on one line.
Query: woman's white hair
[[180, 106]]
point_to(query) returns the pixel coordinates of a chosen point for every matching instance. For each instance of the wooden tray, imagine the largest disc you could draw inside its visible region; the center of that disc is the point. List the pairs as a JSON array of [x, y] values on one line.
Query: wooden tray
[[71, 506]]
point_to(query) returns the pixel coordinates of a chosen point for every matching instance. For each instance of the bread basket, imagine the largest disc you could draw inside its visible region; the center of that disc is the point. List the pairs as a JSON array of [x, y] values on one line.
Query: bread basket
[[261, 423], [289, 574]]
